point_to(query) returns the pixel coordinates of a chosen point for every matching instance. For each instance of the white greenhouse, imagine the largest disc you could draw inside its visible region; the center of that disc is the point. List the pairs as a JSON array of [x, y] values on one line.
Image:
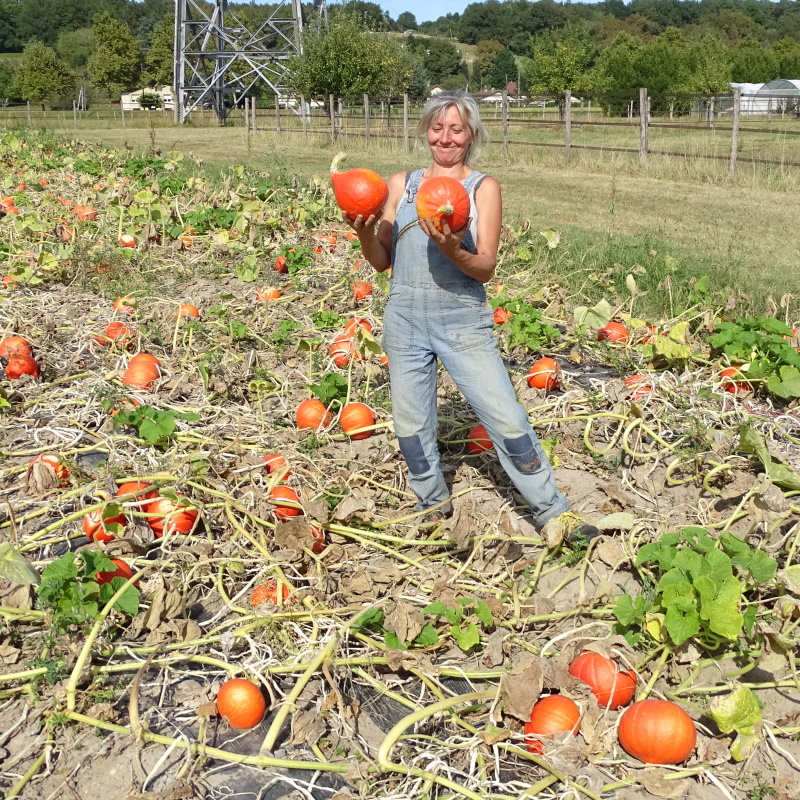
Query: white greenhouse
[[776, 97]]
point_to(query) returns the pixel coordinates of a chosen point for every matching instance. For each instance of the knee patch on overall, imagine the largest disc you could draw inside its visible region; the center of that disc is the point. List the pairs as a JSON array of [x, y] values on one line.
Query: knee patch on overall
[[411, 448], [523, 454]]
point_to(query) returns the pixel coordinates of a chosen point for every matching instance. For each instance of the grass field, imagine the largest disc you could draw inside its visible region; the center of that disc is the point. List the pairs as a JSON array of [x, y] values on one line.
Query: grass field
[[614, 216]]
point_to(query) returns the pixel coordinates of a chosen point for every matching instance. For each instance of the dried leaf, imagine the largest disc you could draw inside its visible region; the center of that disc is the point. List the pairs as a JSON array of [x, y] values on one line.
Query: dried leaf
[[653, 779], [494, 655], [610, 552], [460, 526], [493, 735], [8, 654], [405, 621], [358, 588], [40, 478], [520, 689], [307, 727]]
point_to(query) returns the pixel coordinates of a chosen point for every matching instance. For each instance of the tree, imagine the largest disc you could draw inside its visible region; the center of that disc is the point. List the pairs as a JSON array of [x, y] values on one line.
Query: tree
[[116, 63], [406, 21], [9, 41], [616, 70], [369, 16], [76, 48], [7, 90], [488, 20], [710, 66], [42, 75], [786, 53], [159, 65], [504, 69], [344, 60], [561, 60], [751, 63], [663, 66], [440, 57], [485, 54]]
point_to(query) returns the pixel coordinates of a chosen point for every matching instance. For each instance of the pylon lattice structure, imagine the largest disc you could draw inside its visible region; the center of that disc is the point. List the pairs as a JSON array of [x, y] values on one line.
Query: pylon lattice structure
[[218, 60]]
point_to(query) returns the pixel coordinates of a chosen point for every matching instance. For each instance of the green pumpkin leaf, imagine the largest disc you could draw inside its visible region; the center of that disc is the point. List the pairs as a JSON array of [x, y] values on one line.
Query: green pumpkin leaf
[[14, 566], [739, 711]]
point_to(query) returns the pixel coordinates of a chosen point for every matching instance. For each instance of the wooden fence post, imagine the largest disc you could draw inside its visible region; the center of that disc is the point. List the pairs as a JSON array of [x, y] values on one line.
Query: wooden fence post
[[30, 121], [567, 125], [122, 112], [737, 106], [254, 116], [75, 112], [366, 119], [405, 120], [247, 115], [303, 114], [333, 117], [644, 107], [711, 113], [505, 121], [340, 117], [580, 128], [277, 114]]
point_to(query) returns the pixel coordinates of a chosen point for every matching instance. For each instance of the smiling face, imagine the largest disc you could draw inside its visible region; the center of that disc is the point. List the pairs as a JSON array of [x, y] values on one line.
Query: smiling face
[[449, 138]]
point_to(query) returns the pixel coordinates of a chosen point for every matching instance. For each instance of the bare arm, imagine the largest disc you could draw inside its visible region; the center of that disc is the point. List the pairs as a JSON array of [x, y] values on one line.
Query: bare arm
[[480, 265], [377, 245]]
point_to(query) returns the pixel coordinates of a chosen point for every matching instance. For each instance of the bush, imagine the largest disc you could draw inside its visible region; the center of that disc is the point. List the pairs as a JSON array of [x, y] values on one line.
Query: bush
[[149, 100]]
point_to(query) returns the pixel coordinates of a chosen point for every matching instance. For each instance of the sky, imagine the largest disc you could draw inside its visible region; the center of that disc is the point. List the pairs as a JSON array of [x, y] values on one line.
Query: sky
[[424, 10]]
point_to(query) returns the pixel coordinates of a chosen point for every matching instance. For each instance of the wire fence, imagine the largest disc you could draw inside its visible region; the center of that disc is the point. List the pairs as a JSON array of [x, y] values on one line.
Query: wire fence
[[727, 127]]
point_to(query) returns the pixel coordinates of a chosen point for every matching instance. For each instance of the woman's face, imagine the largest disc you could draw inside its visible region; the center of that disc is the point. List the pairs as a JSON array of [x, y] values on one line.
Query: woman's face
[[449, 138]]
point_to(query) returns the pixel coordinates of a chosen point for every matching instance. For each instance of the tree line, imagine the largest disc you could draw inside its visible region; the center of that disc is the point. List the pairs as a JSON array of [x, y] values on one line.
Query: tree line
[[669, 46]]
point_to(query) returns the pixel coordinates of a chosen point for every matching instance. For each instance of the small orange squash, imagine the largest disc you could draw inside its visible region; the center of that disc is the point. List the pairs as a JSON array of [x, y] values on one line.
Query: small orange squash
[[657, 732], [241, 703], [21, 365], [15, 346], [552, 714], [443, 199], [142, 372], [286, 502], [355, 416], [544, 374], [478, 440], [312, 414], [358, 191]]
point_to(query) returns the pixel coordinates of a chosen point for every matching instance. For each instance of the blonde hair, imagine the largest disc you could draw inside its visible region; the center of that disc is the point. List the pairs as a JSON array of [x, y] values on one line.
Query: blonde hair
[[436, 107]]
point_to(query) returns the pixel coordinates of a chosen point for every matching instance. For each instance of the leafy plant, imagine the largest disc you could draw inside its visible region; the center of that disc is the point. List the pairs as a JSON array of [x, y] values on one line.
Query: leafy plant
[[69, 592], [694, 591], [525, 327], [332, 387], [326, 320], [285, 332], [760, 344], [154, 426], [296, 257], [464, 621]]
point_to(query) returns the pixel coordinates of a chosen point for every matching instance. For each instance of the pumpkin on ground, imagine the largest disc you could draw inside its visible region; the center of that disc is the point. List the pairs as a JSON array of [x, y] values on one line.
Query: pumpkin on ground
[[355, 416], [544, 374], [312, 414], [657, 732], [611, 686], [552, 714], [241, 703]]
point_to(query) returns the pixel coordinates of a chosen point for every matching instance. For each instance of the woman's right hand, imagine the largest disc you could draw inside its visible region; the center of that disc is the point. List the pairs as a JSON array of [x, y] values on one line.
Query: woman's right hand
[[363, 226]]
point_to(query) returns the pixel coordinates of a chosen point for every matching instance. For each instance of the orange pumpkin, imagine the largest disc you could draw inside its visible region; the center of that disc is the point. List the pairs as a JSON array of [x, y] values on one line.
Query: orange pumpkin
[[241, 703], [122, 570], [639, 387], [129, 487], [142, 372], [128, 240], [52, 462], [188, 310], [85, 213], [268, 593], [362, 290], [358, 191], [21, 365], [355, 416], [275, 462], [312, 414], [15, 346], [94, 525], [124, 305], [611, 686], [341, 350], [286, 502], [443, 199], [168, 517], [613, 332], [552, 714], [353, 324], [544, 374], [657, 732], [267, 293], [734, 387], [119, 333], [478, 440]]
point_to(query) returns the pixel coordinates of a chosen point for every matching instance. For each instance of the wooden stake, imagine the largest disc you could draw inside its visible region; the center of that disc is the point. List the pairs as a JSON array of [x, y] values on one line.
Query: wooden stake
[[505, 121], [277, 114], [737, 106], [303, 114], [333, 117], [405, 120], [644, 107], [567, 126], [366, 119]]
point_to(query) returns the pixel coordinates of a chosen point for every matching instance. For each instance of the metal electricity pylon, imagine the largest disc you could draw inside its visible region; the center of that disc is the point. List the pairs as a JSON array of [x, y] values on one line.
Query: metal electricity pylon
[[218, 60]]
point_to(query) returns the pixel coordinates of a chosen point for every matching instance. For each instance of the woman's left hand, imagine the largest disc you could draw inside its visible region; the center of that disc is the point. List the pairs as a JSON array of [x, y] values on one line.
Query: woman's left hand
[[449, 242]]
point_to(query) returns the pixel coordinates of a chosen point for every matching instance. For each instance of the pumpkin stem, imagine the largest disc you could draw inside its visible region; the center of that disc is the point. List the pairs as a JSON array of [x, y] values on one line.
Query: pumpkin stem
[[338, 158], [446, 210]]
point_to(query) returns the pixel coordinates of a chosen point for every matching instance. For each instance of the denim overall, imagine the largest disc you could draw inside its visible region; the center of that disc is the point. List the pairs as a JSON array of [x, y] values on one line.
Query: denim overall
[[435, 310]]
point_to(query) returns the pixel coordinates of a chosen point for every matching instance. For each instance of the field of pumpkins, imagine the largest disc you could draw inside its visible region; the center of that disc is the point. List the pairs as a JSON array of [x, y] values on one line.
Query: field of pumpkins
[[212, 576]]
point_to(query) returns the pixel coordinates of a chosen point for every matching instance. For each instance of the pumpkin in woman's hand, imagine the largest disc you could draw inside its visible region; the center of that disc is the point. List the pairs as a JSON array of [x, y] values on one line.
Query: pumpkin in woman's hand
[[358, 191], [443, 199]]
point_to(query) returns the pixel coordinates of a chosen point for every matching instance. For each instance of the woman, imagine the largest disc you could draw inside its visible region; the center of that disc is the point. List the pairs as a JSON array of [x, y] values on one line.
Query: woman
[[437, 309]]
